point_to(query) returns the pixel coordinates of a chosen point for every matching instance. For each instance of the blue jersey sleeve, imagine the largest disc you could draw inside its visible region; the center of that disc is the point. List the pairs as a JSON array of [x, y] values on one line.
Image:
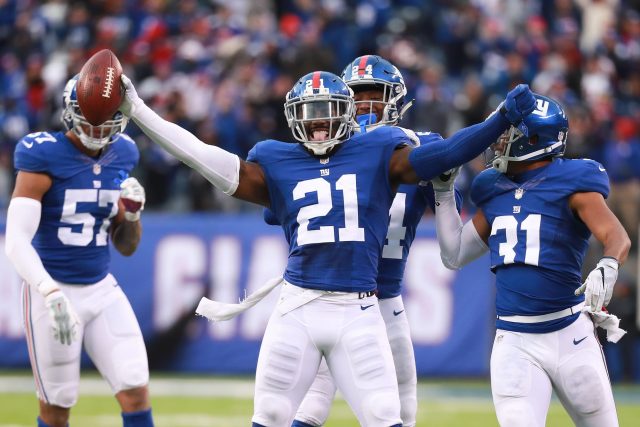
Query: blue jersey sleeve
[[31, 153], [427, 137], [482, 187], [586, 175], [130, 149], [269, 217], [432, 159]]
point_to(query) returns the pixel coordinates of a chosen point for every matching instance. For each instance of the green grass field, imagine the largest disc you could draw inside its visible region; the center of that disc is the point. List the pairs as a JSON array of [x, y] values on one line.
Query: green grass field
[[222, 402]]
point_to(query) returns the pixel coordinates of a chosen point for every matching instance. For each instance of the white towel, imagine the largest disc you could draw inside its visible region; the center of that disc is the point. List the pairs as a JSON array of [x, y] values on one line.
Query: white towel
[[219, 311], [609, 322]]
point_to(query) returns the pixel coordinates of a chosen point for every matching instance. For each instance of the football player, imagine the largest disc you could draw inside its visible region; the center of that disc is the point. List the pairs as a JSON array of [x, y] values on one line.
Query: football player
[[379, 94], [536, 214], [332, 194], [72, 196]]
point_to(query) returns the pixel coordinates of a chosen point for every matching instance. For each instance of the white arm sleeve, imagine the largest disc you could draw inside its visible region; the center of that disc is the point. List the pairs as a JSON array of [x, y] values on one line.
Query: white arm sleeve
[[23, 219], [218, 166], [459, 244]]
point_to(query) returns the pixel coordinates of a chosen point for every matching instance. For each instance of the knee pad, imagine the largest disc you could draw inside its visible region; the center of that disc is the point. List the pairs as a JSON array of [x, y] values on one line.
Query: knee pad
[[65, 395], [585, 389], [515, 416], [314, 409], [272, 410], [381, 409]]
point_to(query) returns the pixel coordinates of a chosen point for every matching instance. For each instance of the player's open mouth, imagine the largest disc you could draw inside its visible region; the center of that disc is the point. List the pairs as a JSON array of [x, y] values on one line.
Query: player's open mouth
[[320, 134]]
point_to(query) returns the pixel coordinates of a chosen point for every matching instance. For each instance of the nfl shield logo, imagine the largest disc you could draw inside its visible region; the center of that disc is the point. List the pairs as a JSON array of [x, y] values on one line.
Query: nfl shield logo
[[97, 169], [324, 161], [519, 193]]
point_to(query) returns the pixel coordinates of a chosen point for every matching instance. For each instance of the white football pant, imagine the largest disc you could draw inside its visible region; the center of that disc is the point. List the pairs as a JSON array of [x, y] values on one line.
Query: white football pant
[[349, 333], [526, 367], [111, 334], [315, 407]]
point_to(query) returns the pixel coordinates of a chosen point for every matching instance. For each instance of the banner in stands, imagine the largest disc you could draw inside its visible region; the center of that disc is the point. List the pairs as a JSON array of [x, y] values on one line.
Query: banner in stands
[[182, 258]]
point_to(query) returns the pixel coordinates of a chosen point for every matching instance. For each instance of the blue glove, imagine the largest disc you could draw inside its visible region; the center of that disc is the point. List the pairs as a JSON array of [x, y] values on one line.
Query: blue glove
[[518, 104]]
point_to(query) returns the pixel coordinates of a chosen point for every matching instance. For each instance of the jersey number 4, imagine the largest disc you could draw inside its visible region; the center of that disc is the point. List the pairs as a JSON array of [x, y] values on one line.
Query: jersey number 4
[[326, 233], [530, 225], [70, 215]]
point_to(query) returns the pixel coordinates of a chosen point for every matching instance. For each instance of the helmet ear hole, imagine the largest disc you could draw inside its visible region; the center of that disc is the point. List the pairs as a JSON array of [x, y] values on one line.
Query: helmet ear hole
[[533, 140]]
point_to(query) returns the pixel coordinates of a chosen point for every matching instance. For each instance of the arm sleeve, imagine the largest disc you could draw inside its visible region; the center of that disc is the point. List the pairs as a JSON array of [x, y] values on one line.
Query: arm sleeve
[[459, 244], [427, 189], [218, 166], [23, 219], [432, 159]]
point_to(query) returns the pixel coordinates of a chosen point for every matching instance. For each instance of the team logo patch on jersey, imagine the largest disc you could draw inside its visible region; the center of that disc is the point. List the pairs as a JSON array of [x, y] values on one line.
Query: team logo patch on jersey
[[519, 193], [97, 169]]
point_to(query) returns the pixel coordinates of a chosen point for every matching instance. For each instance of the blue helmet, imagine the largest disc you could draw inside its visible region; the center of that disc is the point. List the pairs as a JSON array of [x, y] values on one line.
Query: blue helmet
[[92, 137], [546, 131], [373, 72], [319, 110]]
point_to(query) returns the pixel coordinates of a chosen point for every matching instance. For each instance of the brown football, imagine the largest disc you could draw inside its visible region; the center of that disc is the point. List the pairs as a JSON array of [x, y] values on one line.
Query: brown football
[[99, 89]]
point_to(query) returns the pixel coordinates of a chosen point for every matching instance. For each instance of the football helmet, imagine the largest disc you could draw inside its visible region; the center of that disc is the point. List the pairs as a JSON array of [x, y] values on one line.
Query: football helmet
[[373, 72], [92, 137], [547, 128], [319, 110]]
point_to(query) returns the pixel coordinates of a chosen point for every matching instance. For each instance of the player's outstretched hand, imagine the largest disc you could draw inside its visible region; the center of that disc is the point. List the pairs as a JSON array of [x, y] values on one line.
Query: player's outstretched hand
[[131, 99], [518, 104], [64, 320], [598, 288], [444, 181], [133, 197]]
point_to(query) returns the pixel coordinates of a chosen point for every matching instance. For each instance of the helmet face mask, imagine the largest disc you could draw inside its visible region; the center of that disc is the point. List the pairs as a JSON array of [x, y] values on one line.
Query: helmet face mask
[[547, 128], [371, 73], [92, 137], [319, 110]]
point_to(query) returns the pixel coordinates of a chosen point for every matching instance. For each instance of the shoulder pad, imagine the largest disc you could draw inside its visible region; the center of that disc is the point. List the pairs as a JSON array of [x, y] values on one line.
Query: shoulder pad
[[33, 153]]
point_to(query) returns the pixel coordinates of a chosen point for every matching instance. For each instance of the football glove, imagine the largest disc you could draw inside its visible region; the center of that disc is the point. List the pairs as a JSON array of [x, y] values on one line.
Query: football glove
[[518, 104], [444, 181], [133, 197], [598, 288], [64, 320], [131, 99]]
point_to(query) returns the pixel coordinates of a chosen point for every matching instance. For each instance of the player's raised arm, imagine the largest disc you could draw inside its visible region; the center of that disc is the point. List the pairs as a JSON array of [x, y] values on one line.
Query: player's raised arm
[[459, 244], [226, 171], [430, 160]]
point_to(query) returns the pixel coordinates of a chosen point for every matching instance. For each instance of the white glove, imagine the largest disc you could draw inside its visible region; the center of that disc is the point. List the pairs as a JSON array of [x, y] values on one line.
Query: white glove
[[133, 198], [131, 99], [598, 288], [64, 320], [444, 182]]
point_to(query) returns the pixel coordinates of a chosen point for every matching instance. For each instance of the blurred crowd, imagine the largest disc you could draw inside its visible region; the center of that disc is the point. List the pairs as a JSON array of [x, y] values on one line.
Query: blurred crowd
[[221, 68]]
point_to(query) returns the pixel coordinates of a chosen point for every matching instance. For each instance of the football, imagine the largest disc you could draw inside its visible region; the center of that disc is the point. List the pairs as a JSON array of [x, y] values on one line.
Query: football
[[99, 89]]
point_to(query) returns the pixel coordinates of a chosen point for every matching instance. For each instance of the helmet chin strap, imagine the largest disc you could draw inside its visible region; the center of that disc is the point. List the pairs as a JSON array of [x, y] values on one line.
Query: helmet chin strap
[[365, 120]]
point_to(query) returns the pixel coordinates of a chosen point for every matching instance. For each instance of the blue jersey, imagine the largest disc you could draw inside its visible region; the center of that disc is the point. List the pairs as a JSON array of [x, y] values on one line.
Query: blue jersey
[[407, 209], [334, 210], [72, 239], [537, 243]]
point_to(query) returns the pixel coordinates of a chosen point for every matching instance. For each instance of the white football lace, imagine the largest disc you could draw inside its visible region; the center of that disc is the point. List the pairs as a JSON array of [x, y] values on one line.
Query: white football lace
[[108, 82]]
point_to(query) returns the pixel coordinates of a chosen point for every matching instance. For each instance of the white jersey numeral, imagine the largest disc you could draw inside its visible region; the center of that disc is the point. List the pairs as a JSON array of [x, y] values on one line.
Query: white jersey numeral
[[531, 225], [326, 234], [70, 216], [396, 232]]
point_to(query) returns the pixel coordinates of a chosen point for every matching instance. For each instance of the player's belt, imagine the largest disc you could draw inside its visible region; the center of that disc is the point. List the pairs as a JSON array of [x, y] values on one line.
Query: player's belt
[[544, 317]]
